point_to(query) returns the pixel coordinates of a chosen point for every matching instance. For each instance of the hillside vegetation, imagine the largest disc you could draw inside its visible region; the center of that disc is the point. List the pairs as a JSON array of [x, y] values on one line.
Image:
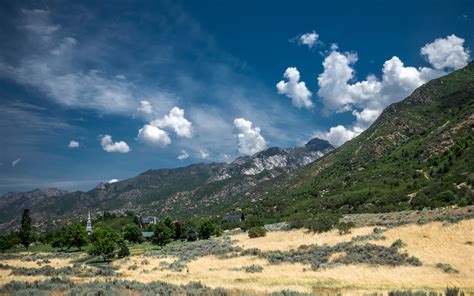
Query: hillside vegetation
[[419, 153]]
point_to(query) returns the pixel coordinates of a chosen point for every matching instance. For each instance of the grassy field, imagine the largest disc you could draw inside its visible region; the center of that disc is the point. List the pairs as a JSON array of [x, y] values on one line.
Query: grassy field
[[438, 245]]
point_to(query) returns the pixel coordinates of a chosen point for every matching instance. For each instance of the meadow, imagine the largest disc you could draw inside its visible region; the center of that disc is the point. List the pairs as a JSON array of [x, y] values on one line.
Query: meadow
[[428, 257]]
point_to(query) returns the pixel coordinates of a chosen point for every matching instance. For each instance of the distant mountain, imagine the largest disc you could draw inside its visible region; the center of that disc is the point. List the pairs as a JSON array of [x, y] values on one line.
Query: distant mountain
[[419, 153], [202, 188]]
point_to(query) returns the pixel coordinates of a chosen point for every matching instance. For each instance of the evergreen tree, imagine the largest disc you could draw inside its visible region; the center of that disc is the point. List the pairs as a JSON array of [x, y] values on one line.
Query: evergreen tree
[[25, 233], [168, 221]]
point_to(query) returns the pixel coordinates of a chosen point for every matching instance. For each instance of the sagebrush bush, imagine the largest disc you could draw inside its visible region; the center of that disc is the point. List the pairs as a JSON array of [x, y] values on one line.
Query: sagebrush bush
[[446, 268], [253, 268], [117, 287], [398, 244], [345, 227], [188, 251], [257, 231]]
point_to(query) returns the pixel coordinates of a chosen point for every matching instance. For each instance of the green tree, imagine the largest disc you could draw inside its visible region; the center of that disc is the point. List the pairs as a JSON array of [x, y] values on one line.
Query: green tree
[[168, 221], [162, 234], [178, 230], [26, 234], [104, 241], [252, 221], [75, 236], [191, 233], [5, 243], [59, 239], [205, 230], [322, 222], [124, 251], [132, 233]]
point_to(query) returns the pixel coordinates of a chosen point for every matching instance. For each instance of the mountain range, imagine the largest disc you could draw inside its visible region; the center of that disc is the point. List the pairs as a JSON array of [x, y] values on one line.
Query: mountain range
[[198, 189]]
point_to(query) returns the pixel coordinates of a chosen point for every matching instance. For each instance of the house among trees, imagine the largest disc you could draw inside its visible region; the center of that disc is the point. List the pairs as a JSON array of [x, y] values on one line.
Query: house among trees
[[147, 220], [147, 235], [234, 217]]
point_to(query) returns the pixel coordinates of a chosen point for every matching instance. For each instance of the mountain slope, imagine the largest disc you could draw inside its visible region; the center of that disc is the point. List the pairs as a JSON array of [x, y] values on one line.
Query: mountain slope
[[182, 192], [418, 153]]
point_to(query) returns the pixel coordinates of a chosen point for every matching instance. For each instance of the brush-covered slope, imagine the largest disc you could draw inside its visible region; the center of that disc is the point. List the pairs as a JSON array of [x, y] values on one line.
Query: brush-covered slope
[[419, 153]]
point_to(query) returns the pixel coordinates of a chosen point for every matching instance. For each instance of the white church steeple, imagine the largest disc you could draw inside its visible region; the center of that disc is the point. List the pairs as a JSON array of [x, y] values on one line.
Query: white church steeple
[[89, 224]]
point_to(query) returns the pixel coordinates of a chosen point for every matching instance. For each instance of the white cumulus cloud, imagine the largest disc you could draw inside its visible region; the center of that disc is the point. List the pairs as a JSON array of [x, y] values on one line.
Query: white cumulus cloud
[[184, 155], [110, 146], [145, 107], [308, 39], [153, 135], [367, 98], [250, 139], [175, 121], [73, 144], [111, 181], [446, 52], [295, 89], [338, 135]]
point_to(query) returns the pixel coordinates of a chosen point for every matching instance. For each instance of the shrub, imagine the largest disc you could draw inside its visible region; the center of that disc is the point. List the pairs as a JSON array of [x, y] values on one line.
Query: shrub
[[253, 268], [297, 220], [453, 292], [345, 227], [377, 230], [251, 252], [446, 268], [257, 232], [5, 244], [398, 244], [322, 222]]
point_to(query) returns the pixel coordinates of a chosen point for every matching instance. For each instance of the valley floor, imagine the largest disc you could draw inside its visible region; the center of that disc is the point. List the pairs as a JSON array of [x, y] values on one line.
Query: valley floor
[[446, 251]]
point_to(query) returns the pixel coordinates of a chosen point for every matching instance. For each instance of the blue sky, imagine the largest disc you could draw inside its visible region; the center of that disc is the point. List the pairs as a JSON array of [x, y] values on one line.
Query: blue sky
[[103, 90]]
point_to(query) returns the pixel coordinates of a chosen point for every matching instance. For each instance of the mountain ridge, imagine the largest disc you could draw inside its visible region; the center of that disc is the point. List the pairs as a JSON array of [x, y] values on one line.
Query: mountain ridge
[[174, 191]]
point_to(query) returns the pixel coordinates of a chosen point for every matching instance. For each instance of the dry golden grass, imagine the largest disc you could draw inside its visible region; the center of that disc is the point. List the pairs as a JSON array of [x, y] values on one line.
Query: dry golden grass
[[5, 277], [56, 263], [432, 243], [292, 239]]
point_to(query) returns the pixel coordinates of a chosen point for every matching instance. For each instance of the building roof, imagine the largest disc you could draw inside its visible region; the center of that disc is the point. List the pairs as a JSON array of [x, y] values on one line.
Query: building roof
[[147, 234]]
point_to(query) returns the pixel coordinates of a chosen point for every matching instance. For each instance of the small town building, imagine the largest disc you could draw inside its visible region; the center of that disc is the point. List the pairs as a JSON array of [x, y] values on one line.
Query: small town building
[[147, 235], [234, 217], [147, 220]]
